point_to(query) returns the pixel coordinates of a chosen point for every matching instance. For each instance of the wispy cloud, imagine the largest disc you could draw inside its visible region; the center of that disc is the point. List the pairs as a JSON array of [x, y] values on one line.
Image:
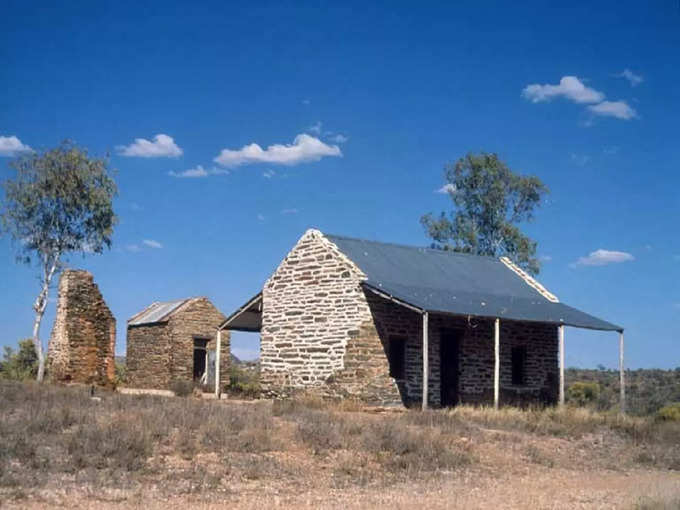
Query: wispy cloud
[[152, 244], [316, 128], [134, 206], [545, 258], [604, 257], [634, 79], [197, 172], [580, 159], [162, 146], [304, 149], [446, 189], [611, 150], [260, 217], [337, 138], [570, 87], [573, 89], [268, 174], [134, 248], [306, 102], [11, 146], [617, 109], [289, 211]]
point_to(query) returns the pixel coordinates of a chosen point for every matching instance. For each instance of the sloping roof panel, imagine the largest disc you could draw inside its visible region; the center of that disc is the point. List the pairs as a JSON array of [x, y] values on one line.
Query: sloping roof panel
[[156, 312], [449, 282]]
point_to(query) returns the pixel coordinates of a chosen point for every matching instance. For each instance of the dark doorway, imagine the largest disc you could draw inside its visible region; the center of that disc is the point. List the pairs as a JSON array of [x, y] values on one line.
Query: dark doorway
[[200, 353], [449, 347]]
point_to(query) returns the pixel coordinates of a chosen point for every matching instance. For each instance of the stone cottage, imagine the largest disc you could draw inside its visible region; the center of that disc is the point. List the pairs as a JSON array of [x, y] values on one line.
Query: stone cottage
[[176, 340], [83, 341], [352, 318]]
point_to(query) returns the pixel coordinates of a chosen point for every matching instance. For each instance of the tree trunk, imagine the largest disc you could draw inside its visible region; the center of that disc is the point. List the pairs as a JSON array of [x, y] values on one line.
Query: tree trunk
[[39, 308]]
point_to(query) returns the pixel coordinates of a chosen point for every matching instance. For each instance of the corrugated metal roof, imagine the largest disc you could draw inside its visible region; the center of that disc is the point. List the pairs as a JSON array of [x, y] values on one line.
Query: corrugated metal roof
[[457, 283], [156, 312]]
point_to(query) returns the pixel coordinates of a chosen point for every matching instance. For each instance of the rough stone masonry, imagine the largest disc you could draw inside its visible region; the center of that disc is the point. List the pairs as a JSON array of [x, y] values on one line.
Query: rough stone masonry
[[83, 341]]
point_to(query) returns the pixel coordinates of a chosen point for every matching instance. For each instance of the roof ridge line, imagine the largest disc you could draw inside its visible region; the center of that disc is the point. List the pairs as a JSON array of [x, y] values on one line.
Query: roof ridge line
[[530, 280], [411, 246]]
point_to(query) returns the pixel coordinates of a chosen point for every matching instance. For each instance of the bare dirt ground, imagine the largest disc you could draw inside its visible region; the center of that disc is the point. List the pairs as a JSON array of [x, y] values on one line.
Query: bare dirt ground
[[59, 449]]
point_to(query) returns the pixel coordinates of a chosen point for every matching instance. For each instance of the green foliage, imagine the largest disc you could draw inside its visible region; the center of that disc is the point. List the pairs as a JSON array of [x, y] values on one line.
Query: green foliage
[[647, 390], [490, 202], [121, 373], [670, 412], [243, 382], [20, 365], [59, 202], [583, 393]]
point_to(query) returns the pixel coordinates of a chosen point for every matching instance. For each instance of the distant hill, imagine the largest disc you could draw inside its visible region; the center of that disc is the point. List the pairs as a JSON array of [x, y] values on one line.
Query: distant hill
[[647, 390]]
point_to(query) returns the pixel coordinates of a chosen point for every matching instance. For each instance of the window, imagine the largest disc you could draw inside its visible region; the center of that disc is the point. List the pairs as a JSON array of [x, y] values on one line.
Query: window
[[397, 357], [519, 356]]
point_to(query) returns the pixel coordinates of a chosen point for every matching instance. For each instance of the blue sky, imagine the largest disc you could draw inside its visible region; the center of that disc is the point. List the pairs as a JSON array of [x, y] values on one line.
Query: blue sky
[[363, 104]]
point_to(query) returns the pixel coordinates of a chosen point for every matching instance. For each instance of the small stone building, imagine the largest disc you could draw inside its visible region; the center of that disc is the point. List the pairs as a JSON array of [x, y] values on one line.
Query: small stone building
[[352, 318], [83, 340], [175, 340]]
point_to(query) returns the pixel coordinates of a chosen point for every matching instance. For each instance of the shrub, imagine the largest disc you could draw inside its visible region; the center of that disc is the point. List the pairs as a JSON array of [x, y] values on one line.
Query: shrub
[[583, 393], [670, 412], [21, 365], [182, 388], [243, 382]]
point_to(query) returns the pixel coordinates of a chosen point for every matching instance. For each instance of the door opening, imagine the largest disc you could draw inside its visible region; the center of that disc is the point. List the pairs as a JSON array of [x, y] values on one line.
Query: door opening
[[449, 347], [200, 357]]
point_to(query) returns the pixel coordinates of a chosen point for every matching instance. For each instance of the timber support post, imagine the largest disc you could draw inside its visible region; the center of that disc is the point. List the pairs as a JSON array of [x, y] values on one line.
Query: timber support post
[[426, 368], [497, 363], [622, 381], [561, 349], [218, 349]]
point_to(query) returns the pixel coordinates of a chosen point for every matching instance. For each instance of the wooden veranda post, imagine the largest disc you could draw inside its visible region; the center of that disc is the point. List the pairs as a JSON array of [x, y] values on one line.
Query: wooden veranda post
[[497, 363], [622, 381], [218, 349], [426, 360], [561, 349]]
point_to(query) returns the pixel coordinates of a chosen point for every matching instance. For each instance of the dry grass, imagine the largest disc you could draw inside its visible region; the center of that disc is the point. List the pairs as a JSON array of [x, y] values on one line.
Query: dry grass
[[54, 437]]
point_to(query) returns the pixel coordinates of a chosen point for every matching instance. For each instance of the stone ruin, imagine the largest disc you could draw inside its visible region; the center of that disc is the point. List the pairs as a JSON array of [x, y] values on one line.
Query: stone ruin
[[83, 340]]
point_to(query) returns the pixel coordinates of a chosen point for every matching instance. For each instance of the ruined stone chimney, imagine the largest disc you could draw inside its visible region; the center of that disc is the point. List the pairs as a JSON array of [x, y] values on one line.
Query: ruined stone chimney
[[83, 341]]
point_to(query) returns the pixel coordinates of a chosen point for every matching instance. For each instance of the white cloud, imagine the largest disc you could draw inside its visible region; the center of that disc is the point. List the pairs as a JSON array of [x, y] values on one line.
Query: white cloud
[[570, 87], [611, 150], [152, 244], [11, 146], [289, 211], [163, 146], [603, 257], [634, 79], [268, 174], [338, 138], [545, 258], [618, 109], [197, 172], [316, 128], [580, 159], [446, 189], [304, 149], [134, 248]]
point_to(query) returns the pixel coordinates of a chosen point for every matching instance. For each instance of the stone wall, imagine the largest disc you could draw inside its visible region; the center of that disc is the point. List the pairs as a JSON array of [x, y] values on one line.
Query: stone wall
[[476, 355], [148, 356], [162, 352], [197, 319], [317, 331], [322, 331], [83, 340]]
